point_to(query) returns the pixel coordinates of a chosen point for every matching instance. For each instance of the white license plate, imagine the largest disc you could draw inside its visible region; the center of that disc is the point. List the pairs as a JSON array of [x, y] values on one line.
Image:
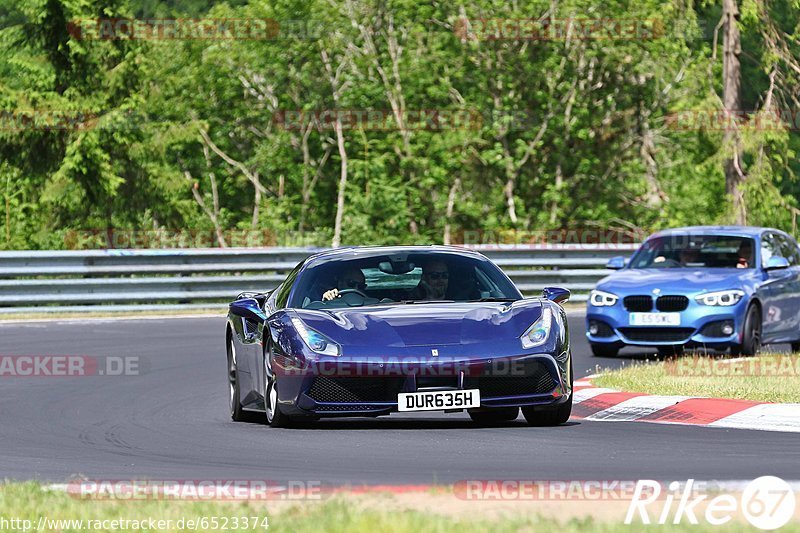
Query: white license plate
[[655, 319], [438, 400]]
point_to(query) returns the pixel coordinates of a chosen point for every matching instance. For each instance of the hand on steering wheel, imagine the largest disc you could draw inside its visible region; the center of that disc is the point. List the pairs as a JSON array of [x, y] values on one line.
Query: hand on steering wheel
[[336, 293]]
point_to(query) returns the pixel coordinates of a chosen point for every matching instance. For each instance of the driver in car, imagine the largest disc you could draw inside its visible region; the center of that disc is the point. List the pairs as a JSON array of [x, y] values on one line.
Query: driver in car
[[352, 278], [434, 281], [745, 253]]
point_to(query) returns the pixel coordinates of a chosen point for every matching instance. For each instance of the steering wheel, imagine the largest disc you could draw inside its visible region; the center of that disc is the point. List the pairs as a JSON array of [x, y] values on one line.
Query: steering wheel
[[669, 263], [353, 291]]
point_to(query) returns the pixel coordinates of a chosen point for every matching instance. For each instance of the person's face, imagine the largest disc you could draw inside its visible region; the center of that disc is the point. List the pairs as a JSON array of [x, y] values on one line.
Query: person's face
[[436, 276], [352, 279], [745, 250], [689, 255]]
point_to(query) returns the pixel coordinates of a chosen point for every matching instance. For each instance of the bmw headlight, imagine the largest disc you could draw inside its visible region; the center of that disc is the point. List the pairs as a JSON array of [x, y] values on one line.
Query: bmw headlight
[[537, 334], [602, 298], [720, 298], [315, 340]]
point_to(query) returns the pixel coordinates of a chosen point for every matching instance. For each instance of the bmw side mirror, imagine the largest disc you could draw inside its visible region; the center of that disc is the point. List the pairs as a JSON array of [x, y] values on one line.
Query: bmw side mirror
[[776, 263], [556, 294], [616, 263]]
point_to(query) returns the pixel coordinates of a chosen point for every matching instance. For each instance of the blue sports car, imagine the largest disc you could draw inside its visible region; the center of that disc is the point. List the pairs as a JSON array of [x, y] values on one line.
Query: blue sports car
[[369, 331], [719, 287]]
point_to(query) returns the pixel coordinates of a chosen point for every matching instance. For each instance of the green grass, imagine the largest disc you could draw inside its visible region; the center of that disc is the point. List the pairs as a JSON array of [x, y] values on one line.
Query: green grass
[[766, 378], [341, 513]]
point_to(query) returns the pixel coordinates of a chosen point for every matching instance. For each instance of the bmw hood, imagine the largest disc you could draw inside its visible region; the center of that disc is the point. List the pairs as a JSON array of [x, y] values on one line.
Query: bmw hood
[[675, 280], [425, 324]]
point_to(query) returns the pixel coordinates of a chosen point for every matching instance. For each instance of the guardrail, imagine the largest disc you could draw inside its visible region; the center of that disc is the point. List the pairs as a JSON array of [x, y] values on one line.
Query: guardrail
[[101, 280]]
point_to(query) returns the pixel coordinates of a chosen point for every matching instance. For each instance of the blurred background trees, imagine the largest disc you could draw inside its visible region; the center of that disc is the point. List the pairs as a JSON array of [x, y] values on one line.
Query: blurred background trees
[[614, 130]]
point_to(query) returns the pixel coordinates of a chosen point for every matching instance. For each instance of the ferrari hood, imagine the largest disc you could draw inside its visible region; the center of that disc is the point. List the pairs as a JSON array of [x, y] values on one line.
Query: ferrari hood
[[424, 324]]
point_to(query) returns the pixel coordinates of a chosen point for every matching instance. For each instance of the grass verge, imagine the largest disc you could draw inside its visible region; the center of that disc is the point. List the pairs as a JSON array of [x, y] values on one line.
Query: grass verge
[[28, 503], [769, 377]]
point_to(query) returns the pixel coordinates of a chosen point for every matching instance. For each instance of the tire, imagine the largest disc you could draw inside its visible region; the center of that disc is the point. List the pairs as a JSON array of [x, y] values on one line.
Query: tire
[[751, 335], [796, 347], [555, 416], [273, 414], [604, 350], [234, 393], [671, 351], [494, 416], [550, 417]]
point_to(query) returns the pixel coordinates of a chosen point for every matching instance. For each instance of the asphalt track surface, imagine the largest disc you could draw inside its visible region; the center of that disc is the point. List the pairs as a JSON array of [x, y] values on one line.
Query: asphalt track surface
[[172, 422]]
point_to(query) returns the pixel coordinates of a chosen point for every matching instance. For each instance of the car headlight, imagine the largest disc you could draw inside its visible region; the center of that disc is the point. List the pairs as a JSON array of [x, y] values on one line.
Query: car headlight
[[724, 298], [537, 333], [315, 340], [602, 299]]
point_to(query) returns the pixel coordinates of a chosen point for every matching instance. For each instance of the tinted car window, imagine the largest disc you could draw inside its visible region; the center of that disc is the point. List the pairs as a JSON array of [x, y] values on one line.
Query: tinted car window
[[695, 251], [382, 279], [769, 247], [282, 293], [789, 250]]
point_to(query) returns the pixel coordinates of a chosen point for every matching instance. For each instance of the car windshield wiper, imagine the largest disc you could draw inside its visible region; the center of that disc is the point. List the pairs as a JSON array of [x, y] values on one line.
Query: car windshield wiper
[[494, 299]]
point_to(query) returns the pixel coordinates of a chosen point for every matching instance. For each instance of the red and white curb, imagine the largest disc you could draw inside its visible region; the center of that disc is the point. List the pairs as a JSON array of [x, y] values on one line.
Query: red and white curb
[[596, 403]]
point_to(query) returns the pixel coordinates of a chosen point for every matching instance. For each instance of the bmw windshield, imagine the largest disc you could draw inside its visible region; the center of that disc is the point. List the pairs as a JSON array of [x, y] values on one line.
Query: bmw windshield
[[695, 251]]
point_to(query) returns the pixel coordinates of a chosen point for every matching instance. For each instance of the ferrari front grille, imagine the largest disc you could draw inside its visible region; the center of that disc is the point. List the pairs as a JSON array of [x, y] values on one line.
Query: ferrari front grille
[[532, 378], [355, 389]]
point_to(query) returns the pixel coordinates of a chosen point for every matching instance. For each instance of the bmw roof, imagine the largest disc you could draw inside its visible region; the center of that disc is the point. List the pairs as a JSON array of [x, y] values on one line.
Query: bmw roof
[[744, 231]]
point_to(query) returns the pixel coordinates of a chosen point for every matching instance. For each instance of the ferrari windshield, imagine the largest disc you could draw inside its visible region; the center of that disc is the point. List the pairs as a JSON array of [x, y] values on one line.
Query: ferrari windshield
[[400, 278], [695, 251]]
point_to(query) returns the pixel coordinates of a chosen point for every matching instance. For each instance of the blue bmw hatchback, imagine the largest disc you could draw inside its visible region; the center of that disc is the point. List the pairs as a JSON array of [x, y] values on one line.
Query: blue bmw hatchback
[[719, 287]]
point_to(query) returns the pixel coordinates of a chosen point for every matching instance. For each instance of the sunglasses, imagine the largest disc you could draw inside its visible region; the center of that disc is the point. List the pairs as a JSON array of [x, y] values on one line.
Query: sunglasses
[[354, 284], [438, 275]]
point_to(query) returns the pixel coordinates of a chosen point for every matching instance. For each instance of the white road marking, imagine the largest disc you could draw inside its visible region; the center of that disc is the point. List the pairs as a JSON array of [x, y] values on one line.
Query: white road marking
[[635, 408], [765, 417]]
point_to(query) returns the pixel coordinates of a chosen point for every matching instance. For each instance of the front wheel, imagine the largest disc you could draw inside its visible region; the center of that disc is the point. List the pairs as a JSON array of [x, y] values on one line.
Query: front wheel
[[550, 417], [751, 334], [275, 417], [604, 350], [554, 416], [796, 347], [494, 416], [234, 391]]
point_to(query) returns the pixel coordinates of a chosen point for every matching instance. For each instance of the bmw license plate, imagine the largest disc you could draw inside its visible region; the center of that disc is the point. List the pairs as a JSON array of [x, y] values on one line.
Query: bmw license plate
[[438, 400], [655, 319]]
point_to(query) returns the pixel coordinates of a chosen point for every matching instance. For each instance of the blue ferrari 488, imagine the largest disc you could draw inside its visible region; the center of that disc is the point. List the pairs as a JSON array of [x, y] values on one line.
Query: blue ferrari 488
[[369, 331], [716, 287]]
